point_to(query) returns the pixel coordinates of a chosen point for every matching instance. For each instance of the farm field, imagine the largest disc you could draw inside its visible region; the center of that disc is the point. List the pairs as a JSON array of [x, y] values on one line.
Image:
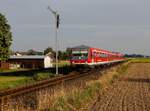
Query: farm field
[[140, 60], [130, 93]]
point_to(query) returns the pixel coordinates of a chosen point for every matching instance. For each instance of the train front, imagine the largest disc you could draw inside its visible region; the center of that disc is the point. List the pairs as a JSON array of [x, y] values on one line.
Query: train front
[[79, 56]]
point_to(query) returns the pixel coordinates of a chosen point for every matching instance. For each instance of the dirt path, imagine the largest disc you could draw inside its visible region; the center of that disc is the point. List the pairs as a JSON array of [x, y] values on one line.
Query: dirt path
[[130, 93]]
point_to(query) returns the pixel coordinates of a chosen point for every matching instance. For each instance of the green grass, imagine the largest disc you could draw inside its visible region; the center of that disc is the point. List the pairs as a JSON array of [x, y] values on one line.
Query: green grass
[[7, 82], [43, 75], [62, 63], [11, 70], [140, 60], [29, 77]]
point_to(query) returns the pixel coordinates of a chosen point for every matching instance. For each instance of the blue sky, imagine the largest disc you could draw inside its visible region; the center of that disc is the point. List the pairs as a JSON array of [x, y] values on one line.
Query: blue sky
[[117, 25]]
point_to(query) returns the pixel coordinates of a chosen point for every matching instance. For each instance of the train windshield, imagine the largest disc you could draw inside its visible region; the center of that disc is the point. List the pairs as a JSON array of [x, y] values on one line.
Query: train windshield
[[79, 55]]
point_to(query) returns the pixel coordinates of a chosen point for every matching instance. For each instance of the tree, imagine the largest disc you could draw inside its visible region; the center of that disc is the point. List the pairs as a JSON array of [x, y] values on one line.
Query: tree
[[5, 38], [33, 52], [62, 55], [47, 50]]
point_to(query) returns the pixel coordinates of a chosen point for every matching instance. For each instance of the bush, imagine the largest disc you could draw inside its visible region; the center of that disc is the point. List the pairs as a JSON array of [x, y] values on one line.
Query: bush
[[41, 76]]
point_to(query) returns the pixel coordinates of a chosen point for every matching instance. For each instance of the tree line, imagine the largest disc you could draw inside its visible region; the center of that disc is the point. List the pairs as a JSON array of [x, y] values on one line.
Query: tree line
[[62, 55], [136, 56]]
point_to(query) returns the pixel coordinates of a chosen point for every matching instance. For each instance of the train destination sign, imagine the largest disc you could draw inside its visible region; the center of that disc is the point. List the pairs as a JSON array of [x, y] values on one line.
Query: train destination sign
[[79, 52]]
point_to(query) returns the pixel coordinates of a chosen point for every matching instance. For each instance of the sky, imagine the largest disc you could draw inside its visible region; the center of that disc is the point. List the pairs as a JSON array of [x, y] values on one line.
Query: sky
[[116, 25]]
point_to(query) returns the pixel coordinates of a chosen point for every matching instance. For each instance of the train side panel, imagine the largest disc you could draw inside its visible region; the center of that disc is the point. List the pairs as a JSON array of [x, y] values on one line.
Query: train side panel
[[95, 56]]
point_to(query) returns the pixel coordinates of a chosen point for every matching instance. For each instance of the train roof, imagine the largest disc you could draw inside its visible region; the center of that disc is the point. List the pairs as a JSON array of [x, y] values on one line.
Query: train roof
[[82, 47]]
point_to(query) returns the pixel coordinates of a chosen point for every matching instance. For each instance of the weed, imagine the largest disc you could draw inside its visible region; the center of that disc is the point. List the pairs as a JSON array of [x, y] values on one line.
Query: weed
[[41, 76]]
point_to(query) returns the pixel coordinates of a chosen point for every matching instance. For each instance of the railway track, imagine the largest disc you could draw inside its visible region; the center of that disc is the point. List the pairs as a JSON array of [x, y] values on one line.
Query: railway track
[[80, 72], [44, 83], [34, 95]]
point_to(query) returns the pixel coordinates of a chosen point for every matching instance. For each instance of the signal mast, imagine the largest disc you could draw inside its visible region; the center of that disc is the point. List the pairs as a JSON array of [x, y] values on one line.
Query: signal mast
[[57, 22]]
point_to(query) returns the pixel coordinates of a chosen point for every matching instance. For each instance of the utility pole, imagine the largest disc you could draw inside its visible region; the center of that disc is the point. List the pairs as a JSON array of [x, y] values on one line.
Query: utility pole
[[57, 20]]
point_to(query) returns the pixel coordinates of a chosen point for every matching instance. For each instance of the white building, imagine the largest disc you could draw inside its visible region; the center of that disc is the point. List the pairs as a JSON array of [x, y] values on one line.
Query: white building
[[48, 60]]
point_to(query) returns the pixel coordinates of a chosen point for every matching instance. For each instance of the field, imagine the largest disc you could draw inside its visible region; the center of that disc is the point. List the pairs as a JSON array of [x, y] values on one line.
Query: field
[[129, 93], [140, 60]]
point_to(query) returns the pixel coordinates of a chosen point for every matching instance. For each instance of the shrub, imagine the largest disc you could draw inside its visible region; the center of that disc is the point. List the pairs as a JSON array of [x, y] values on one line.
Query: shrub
[[41, 76]]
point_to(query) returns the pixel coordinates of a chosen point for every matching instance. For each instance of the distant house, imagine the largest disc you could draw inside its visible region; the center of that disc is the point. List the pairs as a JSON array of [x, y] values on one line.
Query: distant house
[[29, 62]]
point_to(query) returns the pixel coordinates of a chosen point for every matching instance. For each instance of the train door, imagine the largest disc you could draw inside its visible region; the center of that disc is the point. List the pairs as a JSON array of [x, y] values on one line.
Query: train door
[[93, 56]]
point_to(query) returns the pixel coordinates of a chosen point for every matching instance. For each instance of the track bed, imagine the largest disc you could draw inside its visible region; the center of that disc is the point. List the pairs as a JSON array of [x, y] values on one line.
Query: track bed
[[130, 93]]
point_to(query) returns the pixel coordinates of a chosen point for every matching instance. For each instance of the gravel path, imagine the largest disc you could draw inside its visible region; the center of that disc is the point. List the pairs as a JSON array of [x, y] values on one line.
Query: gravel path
[[130, 93]]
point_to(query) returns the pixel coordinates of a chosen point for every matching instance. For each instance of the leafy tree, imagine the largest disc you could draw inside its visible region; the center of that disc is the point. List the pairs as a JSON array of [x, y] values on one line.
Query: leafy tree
[[5, 38], [63, 55], [47, 50], [59, 55]]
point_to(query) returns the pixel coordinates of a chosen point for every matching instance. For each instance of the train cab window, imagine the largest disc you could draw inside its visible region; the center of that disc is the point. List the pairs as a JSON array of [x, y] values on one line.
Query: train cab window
[[80, 55]]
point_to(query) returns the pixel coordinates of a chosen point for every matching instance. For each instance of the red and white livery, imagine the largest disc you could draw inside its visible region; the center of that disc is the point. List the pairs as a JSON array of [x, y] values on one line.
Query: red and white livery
[[84, 55]]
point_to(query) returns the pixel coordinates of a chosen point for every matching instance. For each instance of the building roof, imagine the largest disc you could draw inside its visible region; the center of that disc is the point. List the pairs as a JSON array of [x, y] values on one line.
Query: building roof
[[28, 57]]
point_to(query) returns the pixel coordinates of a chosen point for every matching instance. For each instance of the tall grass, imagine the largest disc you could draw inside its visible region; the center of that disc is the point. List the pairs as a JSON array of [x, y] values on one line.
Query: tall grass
[[76, 99], [79, 98]]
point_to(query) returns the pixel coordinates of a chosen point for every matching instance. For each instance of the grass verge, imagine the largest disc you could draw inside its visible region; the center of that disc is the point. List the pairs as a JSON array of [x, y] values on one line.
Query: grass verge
[[80, 98], [7, 82], [12, 81]]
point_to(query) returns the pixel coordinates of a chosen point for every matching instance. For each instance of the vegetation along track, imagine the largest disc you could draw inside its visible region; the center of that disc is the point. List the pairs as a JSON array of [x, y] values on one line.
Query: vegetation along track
[[41, 84], [130, 93], [81, 72], [39, 95]]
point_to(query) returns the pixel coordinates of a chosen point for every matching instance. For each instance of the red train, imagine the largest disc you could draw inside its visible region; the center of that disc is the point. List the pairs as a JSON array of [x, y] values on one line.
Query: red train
[[84, 55]]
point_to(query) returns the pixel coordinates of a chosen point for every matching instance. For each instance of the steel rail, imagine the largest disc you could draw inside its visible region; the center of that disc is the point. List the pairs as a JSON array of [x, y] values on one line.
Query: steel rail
[[40, 85], [43, 84]]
